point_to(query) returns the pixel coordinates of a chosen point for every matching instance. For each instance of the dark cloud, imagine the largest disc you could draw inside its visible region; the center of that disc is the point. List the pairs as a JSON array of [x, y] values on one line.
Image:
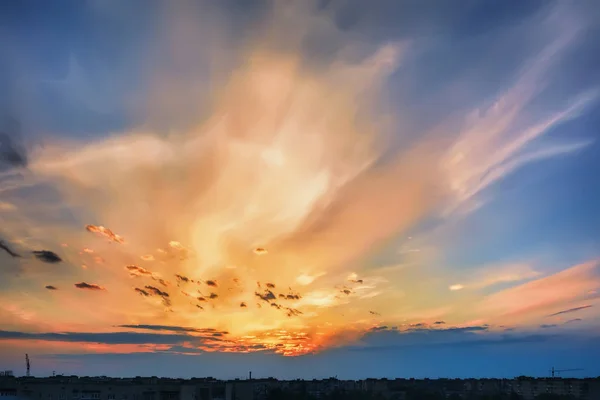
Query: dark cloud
[[12, 154], [275, 305], [439, 323], [211, 283], [173, 328], [573, 320], [47, 256], [374, 313], [389, 339], [547, 326], [243, 305], [88, 286], [142, 292], [213, 296], [50, 287], [154, 291], [379, 328], [291, 296], [570, 310], [481, 328], [292, 312], [105, 338], [347, 292], [7, 249], [270, 285], [181, 278], [266, 296]]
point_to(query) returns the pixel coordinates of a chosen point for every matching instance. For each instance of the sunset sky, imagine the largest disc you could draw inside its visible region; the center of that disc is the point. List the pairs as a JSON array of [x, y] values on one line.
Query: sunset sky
[[300, 188]]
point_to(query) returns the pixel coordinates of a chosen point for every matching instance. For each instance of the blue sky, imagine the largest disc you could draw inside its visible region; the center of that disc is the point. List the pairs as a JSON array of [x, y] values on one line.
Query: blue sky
[[415, 183]]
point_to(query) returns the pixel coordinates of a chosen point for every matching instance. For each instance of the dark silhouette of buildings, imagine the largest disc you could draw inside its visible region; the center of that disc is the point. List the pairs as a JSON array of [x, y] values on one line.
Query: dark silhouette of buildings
[[153, 388]]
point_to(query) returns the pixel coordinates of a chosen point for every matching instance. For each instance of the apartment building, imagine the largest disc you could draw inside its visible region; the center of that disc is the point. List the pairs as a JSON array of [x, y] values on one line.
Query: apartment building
[[153, 388]]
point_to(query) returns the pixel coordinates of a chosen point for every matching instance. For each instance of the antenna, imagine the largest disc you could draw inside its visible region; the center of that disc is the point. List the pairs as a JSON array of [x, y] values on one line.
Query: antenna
[[27, 363]]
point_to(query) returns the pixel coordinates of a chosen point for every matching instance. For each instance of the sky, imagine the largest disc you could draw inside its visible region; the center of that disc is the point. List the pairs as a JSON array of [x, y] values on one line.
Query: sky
[[300, 189]]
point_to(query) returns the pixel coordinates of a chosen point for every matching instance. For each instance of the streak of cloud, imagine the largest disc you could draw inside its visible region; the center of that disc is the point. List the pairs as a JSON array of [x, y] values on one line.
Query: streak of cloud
[[8, 250], [88, 286], [570, 310], [476, 161]]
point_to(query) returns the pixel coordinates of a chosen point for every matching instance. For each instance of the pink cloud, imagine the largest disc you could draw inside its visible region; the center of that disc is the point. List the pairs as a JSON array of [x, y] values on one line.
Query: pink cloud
[[545, 296]]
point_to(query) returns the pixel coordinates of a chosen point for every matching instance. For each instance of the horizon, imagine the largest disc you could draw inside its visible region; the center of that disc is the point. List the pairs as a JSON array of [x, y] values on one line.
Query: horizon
[[247, 378], [296, 188]]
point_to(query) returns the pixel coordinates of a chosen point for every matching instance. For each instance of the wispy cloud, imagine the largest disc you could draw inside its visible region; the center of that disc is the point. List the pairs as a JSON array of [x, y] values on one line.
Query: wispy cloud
[[538, 298], [492, 275], [570, 310], [497, 140]]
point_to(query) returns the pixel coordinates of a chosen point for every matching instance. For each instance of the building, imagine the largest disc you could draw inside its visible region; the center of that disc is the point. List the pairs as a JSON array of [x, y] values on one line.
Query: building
[[153, 388]]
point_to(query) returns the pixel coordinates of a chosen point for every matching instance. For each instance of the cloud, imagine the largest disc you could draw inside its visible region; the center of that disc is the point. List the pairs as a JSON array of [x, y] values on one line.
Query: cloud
[[105, 232], [154, 291], [47, 256], [12, 154], [266, 296], [107, 338], [157, 291], [541, 297], [385, 337], [495, 274], [288, 153], [475, 161], [135, 270], [88, 286], [8, 250], [570, 310], [170, 328], [50, 287], [573, 320]]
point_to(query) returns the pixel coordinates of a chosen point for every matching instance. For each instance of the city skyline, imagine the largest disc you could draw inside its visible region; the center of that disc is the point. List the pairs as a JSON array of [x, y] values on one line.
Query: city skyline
[[300, 189]]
